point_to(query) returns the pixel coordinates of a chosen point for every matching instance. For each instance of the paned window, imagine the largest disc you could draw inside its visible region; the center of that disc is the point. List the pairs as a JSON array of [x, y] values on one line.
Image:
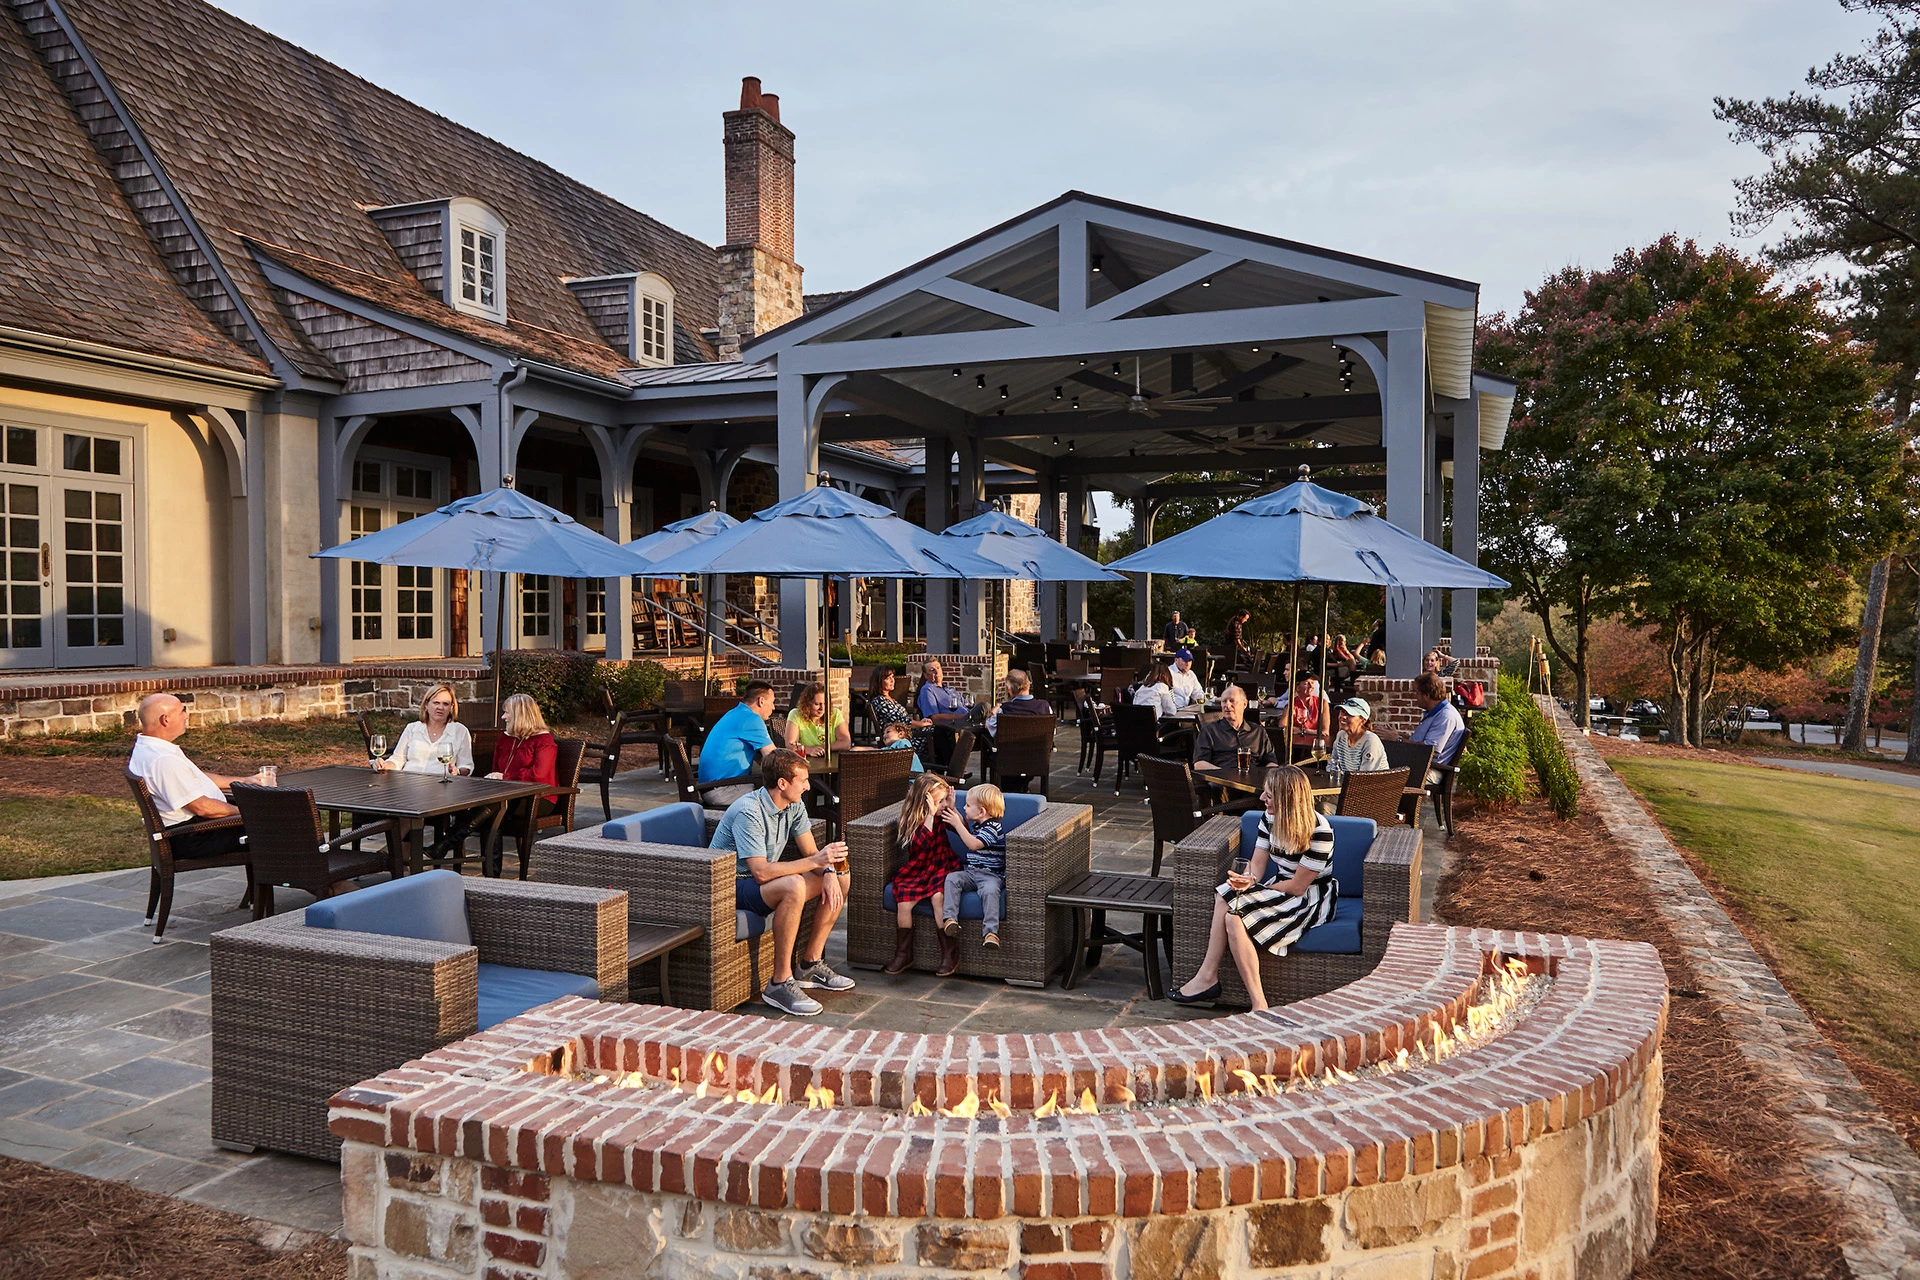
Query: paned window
[[22, 614], [653, 329], [479, 258], [66, 512], [536, 605], [368, 589], [394, 608]]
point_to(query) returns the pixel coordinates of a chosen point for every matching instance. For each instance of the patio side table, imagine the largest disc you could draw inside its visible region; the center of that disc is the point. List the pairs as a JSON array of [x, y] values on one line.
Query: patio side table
[[648, 942], [1097, 892]]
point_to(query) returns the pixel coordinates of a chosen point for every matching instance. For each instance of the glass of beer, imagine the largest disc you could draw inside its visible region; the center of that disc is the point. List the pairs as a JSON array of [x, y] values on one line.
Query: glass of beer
[[1243, 759]]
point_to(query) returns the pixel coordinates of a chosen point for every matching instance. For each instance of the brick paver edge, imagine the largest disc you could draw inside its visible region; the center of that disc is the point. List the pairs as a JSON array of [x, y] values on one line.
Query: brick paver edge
[[1850, 1146]]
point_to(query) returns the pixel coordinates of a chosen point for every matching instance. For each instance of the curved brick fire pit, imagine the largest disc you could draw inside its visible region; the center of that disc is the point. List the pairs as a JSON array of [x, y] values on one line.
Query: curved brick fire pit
[[577, 1141]]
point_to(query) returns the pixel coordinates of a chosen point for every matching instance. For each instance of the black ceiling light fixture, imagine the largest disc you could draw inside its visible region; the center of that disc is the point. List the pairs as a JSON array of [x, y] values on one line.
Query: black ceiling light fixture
[[1076, 402], [956, 373], [980, 381], [1116, 369], [1096, 264], [1059, 393], [1003, 391], [1070, 446], [1207, 283]]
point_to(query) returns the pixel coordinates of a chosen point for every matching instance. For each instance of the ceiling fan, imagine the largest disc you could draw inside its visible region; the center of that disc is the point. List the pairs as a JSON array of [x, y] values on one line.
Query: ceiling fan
[[1142, 402]]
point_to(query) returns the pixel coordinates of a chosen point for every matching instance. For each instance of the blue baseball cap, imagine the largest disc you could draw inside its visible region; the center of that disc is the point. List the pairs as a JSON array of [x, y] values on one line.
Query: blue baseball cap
[[1184, 655]]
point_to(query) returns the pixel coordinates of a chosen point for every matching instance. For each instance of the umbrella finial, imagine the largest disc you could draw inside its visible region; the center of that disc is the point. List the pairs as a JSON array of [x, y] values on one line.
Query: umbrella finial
[[713, 506], [506, 482], [823, 481], [1306, 472]]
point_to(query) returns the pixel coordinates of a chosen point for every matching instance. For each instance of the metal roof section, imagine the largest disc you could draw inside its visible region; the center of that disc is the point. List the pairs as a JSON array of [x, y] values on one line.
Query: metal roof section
[[683, 375]]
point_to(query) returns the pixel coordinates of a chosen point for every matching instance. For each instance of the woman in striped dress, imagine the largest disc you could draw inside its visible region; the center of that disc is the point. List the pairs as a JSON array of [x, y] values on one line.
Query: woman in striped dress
[[888, 710], [1254, 911]]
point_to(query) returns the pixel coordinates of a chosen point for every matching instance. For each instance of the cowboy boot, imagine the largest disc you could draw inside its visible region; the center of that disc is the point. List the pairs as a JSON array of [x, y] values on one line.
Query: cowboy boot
[[902, 950], [949, 956]]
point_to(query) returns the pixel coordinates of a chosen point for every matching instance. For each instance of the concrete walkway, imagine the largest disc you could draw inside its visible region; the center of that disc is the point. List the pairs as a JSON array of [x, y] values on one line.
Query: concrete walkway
[[1838, 769]]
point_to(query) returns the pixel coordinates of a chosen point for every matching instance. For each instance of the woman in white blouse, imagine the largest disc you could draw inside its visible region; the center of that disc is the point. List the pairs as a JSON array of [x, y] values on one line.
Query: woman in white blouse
[[1157, 692], [426, 743]]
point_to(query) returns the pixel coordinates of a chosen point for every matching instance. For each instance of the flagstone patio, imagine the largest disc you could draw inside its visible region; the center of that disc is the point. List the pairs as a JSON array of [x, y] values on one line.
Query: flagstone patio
[[104, 1037]]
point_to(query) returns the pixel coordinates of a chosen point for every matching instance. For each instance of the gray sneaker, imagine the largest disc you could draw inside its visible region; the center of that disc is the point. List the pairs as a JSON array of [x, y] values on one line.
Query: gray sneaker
[[816, 975], [788, 998]]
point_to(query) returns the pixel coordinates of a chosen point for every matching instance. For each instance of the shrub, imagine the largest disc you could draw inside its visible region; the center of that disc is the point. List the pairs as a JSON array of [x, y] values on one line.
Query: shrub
[[631, 685], [1494, 767], [559, 680]]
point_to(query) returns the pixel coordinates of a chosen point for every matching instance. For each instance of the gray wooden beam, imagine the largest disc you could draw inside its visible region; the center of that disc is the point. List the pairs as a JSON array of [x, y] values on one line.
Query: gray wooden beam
[[1253, 459], [1084, 422]]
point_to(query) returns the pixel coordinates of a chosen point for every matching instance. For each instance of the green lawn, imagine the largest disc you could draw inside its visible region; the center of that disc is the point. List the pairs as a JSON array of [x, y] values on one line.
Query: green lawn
[[1828, 868], [40, 837]]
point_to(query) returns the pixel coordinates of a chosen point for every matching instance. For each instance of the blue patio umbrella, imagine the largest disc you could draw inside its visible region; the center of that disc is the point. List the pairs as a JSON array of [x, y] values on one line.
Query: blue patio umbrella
[[1304, 533], [1023, 551], [678, 536], [499, 531], [824, 533]]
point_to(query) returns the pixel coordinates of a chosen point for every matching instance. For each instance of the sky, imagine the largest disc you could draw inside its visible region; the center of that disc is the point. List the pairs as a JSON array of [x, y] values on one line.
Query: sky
[[1495, 142]]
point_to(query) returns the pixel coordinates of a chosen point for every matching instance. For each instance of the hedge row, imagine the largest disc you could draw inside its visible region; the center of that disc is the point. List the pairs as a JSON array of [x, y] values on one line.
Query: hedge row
[[1509, 738], [565, 683]]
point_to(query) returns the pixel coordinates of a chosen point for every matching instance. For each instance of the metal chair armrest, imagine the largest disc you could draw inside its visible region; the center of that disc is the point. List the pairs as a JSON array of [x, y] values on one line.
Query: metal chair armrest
[[389, 827], [193, 826]]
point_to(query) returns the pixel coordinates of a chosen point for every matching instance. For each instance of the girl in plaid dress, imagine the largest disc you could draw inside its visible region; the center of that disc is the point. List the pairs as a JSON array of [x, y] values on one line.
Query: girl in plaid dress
[[923, 873], [1254, 912]]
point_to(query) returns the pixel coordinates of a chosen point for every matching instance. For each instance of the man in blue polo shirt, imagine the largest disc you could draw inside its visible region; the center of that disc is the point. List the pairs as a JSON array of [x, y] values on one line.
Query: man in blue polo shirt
[[737, 741], [1441, 724], [757, 829]]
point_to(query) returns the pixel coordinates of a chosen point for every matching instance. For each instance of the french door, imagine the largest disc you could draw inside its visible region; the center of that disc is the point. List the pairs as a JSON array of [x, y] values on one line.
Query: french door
[[66, 499], [397, 611]]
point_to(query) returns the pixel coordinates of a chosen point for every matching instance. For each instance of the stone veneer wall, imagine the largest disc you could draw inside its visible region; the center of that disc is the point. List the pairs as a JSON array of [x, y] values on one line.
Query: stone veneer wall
[[1535, 1155], [783, 680], [978, 675]]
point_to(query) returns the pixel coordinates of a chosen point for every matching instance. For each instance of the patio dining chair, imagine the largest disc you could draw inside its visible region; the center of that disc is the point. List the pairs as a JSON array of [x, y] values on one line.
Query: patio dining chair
[[1442, 791], [955, 770], [540, 814], [1416, 758], [1023, 748], [1096, 733], [289, 845], [868, 780], [166, 863], [687, 786], [1135, 734], [1176, 804], [1373, 795]]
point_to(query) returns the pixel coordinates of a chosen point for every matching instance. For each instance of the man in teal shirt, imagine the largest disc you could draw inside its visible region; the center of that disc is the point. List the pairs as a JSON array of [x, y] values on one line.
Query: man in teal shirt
[[757, 829], [737, 741]]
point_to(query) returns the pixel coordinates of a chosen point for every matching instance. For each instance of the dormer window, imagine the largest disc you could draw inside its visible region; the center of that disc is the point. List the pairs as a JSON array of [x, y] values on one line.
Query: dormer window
[[653, 313], [478, 241]]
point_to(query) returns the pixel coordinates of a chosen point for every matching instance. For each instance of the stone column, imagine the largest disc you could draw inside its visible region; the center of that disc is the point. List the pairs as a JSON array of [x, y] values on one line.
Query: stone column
[[1466, 520], [1144, 511], [1046, 595], [971, 501], [1076, 615], [939, 591], [799, 471]]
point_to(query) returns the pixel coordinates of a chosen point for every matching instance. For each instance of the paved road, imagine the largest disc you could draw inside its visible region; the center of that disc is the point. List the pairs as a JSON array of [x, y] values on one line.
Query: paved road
[[1864, 772]]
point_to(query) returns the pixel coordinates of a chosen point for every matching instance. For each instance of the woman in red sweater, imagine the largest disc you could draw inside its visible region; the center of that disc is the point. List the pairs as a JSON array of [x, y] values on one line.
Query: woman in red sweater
[[526, 750]]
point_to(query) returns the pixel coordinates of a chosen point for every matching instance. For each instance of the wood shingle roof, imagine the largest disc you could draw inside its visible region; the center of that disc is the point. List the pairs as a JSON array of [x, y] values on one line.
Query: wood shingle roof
[[267, 142]]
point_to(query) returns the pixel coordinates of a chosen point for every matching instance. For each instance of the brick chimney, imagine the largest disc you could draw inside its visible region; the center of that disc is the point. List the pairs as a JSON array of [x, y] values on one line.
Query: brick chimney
[[759, 280]]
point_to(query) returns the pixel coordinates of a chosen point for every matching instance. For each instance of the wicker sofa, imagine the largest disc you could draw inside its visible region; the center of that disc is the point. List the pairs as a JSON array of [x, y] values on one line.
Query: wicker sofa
[[1043, 852], [301, 1012], [676, 883], [1389, 891]]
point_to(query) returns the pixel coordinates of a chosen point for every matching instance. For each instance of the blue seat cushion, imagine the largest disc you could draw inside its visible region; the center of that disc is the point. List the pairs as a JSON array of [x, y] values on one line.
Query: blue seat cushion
[[506, 992], [750, 924], [684, 823], [1352, 838], [970, 908], [431, 906], [1020, 807], [1340, 935]]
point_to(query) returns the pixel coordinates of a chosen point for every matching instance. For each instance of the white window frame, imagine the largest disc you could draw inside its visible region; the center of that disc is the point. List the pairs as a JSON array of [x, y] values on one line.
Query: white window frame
[[391, 505], [652, 346], [470, 218]]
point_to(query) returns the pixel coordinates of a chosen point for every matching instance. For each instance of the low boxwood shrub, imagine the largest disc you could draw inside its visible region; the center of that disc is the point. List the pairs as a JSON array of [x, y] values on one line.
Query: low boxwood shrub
[[1494, 766], [559, 680], [631, 685], [1548, 756]]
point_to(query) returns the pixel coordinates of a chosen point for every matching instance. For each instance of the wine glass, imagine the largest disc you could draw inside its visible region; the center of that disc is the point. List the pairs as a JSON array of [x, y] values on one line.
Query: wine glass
[[376, 747], [446, 762], [1240, 870]]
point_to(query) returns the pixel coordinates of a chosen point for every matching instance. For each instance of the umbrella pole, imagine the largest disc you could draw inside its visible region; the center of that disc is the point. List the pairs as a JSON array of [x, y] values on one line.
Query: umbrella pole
[[706, 669], [826, 672], [1293, 656], [1326, 620]]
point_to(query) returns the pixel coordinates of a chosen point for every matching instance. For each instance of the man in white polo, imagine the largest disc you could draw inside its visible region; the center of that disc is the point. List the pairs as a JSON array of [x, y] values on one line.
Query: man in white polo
[[181, 790], [1186, 683]]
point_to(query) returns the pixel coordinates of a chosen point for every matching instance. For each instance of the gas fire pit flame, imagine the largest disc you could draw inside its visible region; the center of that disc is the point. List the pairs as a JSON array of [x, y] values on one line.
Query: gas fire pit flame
[[1507, 995]]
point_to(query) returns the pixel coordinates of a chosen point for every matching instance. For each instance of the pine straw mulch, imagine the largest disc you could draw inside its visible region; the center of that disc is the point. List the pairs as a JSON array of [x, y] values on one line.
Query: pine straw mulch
[[67, 1225], [1734, 1203]]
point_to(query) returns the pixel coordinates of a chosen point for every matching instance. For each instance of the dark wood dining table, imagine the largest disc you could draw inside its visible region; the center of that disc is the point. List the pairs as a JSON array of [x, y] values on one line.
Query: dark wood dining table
[[413, 798], [1249, 782]]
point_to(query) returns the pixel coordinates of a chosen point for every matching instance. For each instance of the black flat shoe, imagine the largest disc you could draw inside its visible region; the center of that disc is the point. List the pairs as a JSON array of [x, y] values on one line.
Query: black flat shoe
[[1211, 994]]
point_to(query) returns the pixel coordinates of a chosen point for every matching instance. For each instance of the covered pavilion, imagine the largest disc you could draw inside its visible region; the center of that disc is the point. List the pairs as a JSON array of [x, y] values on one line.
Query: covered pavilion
[[1089, 344]]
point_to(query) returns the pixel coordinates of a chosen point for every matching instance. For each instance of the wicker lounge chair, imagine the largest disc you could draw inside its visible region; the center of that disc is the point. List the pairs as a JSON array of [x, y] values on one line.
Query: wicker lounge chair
[[1043, 852], [1385, 861], [672, 879], [301, 1012]]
